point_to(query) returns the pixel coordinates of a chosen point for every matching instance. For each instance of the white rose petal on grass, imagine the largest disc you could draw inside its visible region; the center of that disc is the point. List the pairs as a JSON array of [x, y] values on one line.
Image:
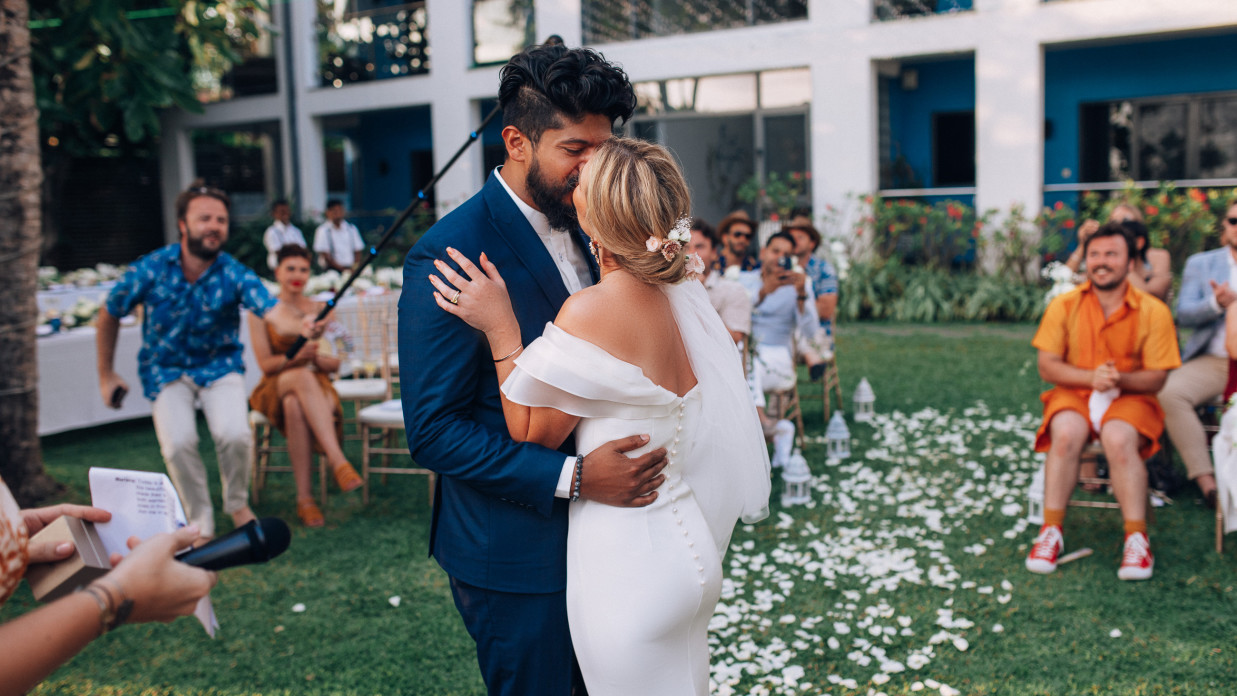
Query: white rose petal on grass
[[917, 686], [961, 644], [947, 690], [879, 679], [298, 608], [998, 628], [833, 643], [840, 628], [394, 600], [1114, 633], [787, 619], [1011, 509]]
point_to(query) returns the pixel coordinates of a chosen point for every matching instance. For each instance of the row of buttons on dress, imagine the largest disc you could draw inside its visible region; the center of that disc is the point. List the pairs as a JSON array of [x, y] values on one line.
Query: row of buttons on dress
[[674, 497]]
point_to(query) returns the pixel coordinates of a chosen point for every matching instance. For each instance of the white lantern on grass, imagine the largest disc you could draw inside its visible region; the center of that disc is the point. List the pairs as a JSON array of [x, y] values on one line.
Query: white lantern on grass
[[797, 478], [1035, 498], [837, 437], [865, 398]]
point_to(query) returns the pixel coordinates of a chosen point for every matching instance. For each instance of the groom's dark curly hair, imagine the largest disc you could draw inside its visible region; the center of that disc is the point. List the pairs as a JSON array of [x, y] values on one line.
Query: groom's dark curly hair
[[541, 85]]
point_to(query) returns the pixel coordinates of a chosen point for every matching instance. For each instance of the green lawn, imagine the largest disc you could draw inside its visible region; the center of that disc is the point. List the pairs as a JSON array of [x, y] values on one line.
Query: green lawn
[[903, 576]]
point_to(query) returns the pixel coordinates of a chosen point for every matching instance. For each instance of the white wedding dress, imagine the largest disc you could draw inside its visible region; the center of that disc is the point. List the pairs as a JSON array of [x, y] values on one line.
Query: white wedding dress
[[642, 583]]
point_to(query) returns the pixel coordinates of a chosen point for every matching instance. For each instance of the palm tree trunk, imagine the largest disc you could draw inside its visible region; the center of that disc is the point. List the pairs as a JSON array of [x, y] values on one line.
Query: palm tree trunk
[[21, 463]]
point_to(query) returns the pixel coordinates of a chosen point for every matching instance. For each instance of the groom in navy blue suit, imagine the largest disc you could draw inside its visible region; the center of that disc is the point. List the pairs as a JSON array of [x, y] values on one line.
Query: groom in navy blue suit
[[500, 509]]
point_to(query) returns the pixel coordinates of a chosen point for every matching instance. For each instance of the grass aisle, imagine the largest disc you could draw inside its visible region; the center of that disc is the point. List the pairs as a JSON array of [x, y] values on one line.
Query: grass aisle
[[904, 576]]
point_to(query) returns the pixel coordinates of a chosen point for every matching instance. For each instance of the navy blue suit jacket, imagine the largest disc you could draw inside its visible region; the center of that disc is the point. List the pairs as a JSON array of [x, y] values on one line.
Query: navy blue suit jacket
[[496, 522]]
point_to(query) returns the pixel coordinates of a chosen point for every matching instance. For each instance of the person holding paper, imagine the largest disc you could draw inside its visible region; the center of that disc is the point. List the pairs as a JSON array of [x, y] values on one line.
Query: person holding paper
[[191, 351], [149, 585], [1107, 347]]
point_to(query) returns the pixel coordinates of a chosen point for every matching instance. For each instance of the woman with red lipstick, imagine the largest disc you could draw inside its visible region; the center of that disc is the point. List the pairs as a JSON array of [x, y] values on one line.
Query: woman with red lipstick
[[296, 395]]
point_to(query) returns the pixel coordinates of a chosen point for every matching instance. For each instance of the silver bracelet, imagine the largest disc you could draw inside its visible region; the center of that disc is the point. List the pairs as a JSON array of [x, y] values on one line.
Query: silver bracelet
[[508, 355]]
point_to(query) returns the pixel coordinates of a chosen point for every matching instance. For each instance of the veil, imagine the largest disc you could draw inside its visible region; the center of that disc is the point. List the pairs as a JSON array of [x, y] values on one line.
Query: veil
[[730, 440]]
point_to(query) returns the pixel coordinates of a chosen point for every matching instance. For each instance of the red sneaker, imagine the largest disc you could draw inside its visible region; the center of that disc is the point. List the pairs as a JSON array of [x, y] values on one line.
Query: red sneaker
[[1046, 549], [1136, 560]]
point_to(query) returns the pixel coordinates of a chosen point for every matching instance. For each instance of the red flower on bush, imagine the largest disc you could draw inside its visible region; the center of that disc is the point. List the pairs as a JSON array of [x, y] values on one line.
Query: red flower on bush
[[1058, 205], [1068, 224], [1152, 210], [923, 220], [1198, 196]]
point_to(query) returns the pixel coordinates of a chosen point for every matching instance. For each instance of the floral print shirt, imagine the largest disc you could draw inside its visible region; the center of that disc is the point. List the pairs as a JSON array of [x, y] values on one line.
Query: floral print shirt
[[13, 544], [190, 329]]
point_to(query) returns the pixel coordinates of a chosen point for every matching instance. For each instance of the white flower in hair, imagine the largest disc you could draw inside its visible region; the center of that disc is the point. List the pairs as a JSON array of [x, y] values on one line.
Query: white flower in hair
[[682, 230], [652, 243]]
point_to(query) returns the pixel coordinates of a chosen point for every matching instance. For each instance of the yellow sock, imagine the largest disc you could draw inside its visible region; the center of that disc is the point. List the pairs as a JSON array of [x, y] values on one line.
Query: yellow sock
[[1054, 518], [1132, 526]]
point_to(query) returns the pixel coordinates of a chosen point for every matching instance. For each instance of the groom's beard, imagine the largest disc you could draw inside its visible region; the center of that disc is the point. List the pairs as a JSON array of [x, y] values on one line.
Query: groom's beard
[[548, 197]]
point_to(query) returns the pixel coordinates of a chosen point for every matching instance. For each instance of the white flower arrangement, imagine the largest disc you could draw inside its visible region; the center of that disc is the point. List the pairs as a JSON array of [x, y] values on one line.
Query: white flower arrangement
[[1062, 279]]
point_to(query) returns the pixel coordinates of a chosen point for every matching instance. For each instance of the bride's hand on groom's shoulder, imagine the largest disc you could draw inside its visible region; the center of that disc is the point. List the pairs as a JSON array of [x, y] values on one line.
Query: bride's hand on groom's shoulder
[[609, 476], [476, 295]]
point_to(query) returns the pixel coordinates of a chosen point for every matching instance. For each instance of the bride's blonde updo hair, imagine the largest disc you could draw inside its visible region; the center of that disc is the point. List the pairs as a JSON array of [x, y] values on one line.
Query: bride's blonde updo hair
[[634, 190]]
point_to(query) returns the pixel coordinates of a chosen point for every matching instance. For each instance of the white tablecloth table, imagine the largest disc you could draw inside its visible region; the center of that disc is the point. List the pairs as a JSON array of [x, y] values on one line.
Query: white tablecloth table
[[69, 381]]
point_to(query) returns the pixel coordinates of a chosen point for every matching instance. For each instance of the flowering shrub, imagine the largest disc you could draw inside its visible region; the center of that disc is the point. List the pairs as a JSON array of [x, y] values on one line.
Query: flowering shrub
[[779, 195], [941, 235], [1182, 221]]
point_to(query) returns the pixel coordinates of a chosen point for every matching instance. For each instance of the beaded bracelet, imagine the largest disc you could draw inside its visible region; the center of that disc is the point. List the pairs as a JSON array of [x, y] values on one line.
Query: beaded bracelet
[[575, 487]]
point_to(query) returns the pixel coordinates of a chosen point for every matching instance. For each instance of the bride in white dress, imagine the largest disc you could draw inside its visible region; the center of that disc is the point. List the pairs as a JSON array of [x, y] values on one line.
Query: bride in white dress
[[642, 351]]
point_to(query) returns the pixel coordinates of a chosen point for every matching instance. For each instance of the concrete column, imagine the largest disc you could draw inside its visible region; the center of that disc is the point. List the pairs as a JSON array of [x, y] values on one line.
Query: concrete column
[[310, 175], [1009, 120], [176, 171], [453, 118], [844, 129]]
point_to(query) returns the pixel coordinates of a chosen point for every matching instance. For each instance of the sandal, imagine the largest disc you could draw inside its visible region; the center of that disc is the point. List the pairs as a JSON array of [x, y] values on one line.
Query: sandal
[[347, 478], [309, 513]]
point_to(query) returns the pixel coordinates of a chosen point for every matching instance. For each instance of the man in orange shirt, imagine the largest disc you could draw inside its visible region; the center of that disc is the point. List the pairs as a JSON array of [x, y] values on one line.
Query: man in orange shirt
[[1107, 347]]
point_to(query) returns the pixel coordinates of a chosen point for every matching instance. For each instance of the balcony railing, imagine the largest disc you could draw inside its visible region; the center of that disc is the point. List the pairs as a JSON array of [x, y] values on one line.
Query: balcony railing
[[373, 44], [901, 9], [608, 21]]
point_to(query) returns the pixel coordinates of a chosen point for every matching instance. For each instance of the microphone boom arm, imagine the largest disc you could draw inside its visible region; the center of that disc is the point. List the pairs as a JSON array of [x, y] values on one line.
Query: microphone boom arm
[[386, 237]]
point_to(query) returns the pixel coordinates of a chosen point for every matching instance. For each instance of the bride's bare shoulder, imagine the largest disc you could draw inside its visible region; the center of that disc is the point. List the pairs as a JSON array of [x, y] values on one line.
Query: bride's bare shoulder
[[598, 314]]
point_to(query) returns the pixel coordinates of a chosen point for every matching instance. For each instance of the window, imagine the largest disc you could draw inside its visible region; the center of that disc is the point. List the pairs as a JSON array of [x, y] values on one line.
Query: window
[[501, 29], [727, 128], [1160, 139], [900, 9], [362, 40], [606, 21]]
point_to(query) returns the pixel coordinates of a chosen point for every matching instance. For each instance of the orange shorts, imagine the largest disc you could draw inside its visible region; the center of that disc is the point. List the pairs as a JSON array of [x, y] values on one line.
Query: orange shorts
[[1139, 410]]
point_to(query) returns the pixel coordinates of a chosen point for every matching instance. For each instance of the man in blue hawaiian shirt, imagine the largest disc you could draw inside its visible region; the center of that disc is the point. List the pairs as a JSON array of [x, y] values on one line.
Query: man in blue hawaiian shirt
[[191, 352]]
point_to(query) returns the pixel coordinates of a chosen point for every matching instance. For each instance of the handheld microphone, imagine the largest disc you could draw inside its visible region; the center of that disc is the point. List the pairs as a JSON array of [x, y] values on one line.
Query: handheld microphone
[[257, 541]]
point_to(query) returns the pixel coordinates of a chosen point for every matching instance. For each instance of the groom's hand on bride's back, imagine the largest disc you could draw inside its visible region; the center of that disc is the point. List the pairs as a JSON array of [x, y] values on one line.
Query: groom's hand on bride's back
[[609, 476]]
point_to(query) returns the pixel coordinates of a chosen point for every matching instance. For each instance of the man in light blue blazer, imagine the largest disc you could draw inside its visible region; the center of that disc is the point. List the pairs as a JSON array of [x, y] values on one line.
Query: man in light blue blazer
[[1208, 287], [499, 524]]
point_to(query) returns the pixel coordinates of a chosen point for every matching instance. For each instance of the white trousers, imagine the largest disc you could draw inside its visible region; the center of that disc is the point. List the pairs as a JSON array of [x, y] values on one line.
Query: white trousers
[[226, 408]]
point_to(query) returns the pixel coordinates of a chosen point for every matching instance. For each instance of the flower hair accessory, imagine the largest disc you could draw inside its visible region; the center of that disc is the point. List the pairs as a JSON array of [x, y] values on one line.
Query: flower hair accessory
[[676, 240]]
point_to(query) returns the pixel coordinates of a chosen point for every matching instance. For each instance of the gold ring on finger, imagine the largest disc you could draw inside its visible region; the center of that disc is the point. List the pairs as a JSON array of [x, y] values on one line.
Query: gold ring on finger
[[455, 299]]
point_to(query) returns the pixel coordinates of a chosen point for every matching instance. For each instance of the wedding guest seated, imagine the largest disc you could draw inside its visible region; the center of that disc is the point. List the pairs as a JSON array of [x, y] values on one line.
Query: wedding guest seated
[[1208, 288], [1107, 348], [815, 348], [147, 585], [728, 297], [1152, 268], [737, 232], [781, 305], [1224, 449], [296, 395]]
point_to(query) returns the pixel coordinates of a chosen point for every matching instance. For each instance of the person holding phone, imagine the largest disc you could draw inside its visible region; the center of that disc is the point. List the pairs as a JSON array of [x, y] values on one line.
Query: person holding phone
[[781, 305]]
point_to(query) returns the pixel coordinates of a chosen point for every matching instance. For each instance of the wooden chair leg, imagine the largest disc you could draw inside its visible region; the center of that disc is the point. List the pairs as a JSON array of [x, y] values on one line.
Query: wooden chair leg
[[364, 463]]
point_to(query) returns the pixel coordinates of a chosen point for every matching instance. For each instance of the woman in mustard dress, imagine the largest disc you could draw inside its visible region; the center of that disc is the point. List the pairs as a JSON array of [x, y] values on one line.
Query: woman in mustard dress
[[296, 395]]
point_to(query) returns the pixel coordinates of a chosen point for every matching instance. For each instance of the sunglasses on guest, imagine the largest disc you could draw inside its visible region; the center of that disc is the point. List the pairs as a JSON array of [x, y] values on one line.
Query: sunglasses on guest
[[748, 235]]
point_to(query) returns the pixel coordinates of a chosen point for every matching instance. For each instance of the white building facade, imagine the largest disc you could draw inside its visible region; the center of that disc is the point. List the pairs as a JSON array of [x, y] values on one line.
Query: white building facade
[[994, 102]]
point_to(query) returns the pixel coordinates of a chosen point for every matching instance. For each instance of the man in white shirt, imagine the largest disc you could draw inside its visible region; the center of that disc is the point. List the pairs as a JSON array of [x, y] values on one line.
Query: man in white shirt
[[1208, 287], [281, 233], [337, 241], [728, 297]]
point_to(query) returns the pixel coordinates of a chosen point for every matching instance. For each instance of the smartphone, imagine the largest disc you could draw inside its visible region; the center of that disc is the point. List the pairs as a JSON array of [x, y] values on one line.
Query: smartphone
[[787, 263]]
